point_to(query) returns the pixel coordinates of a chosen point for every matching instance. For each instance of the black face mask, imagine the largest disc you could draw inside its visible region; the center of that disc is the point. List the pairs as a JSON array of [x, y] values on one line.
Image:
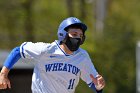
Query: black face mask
[[73, 43]]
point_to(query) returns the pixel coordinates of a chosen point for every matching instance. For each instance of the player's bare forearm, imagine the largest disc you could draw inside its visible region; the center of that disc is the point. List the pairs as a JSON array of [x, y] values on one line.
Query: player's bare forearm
[[4, 81], [4, 71]]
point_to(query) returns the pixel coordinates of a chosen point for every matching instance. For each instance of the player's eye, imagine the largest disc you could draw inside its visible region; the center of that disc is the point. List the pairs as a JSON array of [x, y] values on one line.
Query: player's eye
[[75, 35]]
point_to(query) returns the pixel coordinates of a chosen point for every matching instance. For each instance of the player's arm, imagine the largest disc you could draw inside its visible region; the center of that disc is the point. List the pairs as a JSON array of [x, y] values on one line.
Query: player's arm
[[98, 83], [13, 57]]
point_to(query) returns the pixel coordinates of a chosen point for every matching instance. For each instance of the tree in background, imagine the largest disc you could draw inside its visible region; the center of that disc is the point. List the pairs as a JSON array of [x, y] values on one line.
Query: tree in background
[[82, 9], [115, 50], [27, 5], [70, 7]]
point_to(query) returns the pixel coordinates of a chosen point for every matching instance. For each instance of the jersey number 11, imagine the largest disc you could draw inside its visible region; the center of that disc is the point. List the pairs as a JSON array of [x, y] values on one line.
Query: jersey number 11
[[71, 83]]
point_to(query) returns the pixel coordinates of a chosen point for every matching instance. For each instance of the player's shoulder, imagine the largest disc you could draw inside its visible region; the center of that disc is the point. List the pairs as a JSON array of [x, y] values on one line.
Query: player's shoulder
[[83, 52], [46, 46], [40, 46], [37, 44]]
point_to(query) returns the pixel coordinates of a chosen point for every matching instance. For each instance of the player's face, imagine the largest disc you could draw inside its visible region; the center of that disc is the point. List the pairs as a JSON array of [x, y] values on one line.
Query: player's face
[[75, 33]]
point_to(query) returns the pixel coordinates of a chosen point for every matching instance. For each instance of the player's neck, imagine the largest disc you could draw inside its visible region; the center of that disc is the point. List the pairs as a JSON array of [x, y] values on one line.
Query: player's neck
[[65, 48]]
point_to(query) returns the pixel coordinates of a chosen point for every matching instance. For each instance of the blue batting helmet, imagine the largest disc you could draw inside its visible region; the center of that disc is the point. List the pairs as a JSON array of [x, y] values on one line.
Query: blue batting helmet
[[67, 23]]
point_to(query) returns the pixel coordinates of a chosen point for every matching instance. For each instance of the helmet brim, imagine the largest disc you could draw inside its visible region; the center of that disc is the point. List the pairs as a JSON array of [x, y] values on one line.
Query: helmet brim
[[79, 25]]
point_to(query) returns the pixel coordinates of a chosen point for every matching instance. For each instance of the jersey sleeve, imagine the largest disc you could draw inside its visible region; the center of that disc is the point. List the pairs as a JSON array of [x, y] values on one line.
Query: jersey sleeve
[[31, 50], [87, 69]]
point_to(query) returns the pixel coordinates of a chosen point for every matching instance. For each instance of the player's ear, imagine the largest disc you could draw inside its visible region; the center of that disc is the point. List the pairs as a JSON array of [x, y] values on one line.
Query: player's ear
[[65, 38], [83, 39]]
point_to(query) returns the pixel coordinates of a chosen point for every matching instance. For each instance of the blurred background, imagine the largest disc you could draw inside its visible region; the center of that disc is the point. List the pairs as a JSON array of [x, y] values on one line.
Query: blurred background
[[111, 39]]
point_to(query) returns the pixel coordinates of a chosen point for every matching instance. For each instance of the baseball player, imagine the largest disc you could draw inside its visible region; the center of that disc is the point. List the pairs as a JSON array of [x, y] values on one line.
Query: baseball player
[[59, 65]]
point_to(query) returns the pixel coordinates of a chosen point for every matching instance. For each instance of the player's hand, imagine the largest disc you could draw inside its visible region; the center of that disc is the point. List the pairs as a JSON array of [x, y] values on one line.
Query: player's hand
[[4, 81], [98, 81]]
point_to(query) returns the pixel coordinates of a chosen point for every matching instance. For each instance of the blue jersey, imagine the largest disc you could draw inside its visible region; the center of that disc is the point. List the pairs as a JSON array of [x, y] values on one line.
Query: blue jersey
[[54, 70]]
